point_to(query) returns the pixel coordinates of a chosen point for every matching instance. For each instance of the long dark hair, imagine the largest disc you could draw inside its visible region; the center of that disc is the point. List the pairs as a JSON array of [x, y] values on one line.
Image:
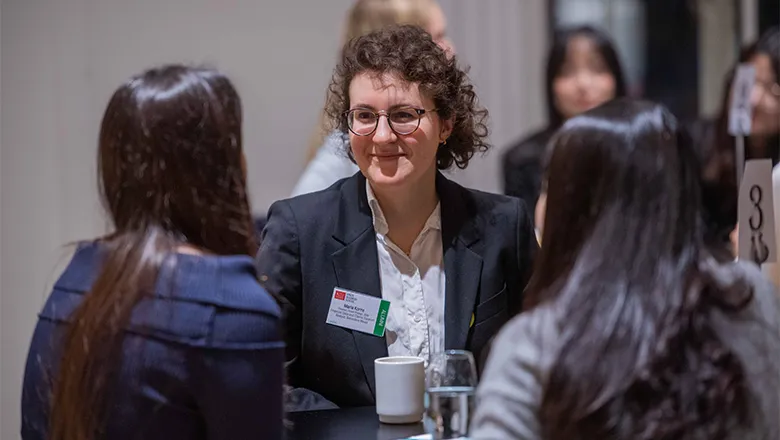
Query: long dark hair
[[717, 151], [625, 261], [557, 57], [171, 173]]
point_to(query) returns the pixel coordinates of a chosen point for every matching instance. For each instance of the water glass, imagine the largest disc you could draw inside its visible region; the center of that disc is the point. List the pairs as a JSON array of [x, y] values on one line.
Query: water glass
[[451, 382]]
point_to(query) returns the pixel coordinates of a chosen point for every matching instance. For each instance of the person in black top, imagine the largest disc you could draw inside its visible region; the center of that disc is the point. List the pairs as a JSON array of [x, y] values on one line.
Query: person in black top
[[583, 71]]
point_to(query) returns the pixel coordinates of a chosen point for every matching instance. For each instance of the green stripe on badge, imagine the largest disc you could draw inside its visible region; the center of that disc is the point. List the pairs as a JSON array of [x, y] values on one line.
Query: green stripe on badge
[[381, 318]]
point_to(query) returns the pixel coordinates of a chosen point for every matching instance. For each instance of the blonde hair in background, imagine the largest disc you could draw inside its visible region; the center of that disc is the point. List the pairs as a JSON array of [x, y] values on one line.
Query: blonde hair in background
[[367, 16], [370, 15]]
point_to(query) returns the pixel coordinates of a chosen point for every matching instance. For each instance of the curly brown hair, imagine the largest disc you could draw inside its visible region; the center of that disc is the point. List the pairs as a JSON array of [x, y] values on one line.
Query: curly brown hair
[[410, 52]]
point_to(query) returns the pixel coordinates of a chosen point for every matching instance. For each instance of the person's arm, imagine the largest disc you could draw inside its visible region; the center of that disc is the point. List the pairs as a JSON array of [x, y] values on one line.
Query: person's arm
[[521, 268], [237, 378], [510, 392], [328, 166], [279, 269]]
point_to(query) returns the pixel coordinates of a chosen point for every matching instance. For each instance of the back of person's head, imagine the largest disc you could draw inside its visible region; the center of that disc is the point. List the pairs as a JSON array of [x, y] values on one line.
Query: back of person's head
[[409, 54], [623, 261], [618, 168], [596, 54], [171, 161], [171, 174]]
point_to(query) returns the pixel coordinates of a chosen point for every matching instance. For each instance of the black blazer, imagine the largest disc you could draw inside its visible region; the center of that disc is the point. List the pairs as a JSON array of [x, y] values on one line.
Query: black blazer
[[523, 168], [315, 242]]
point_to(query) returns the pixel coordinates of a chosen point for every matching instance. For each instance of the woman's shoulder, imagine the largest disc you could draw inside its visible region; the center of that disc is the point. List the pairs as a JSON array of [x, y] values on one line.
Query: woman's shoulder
[[210, 301], [511, 386], [531, 336], [524, 348], [757, 324], [488, 205], [753, 335], [766, 302], [224, 281], [312, 210], [747, 273], [196, 300]]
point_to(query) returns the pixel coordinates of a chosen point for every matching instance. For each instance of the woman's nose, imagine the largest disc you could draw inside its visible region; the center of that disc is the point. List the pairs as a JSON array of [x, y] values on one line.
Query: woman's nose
[[384, 133]]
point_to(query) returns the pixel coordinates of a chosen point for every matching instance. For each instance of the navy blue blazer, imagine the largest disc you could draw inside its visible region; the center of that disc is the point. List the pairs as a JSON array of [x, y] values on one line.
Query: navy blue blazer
[[202, 358], [315, 242]]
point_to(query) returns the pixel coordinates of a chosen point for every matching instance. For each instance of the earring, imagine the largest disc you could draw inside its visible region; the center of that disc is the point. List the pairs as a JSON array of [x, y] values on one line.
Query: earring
[[445, 142]]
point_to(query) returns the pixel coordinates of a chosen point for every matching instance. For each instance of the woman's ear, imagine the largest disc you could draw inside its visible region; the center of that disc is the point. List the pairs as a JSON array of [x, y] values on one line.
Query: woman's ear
[[446, 129]]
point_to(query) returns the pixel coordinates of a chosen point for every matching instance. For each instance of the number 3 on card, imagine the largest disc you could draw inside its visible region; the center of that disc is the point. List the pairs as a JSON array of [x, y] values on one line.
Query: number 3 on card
[[756, 214]]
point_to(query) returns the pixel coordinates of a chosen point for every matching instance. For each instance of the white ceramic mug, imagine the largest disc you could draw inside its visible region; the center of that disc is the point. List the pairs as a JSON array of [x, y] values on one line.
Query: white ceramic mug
[[400, 389]]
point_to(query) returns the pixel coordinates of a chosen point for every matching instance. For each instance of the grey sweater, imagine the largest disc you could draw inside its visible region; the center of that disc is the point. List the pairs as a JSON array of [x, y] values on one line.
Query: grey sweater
[[509, 396]]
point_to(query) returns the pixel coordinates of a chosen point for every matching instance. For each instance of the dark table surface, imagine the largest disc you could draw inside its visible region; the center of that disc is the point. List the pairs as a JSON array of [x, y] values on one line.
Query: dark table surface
[[347, 423]]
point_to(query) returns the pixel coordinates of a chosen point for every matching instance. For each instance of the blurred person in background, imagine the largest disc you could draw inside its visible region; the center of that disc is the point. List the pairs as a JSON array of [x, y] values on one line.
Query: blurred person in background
[[160, 329], [632, 329], [717, 148], [327, 161], [583, 71]]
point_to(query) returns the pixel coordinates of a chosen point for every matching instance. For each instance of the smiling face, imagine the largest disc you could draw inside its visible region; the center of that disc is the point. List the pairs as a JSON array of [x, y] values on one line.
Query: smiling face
[[387, 159]]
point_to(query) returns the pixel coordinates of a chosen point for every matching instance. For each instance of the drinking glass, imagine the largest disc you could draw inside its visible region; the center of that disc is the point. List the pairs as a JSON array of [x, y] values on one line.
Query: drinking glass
[[451, 381]]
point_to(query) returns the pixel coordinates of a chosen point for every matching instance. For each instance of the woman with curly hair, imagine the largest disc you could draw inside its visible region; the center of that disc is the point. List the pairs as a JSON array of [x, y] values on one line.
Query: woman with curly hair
[[452, 262], [635, 331], [327, 162]]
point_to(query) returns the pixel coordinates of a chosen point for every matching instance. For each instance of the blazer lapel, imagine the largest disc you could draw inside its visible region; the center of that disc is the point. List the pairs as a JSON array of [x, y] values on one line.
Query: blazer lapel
[[462, 266], [356, 264]]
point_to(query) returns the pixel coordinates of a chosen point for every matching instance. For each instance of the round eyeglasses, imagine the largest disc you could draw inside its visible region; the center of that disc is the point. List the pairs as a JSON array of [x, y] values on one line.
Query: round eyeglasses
[[403, 121]]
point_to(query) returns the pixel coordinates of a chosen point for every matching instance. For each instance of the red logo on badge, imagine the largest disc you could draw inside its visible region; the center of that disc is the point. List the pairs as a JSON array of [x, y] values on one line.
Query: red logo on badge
[[340, 295]]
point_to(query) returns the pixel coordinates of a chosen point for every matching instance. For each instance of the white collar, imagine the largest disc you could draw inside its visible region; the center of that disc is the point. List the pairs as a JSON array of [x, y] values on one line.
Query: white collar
[[380, 223]]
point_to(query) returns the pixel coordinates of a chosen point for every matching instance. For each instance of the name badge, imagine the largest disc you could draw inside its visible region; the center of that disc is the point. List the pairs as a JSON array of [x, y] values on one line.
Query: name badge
[[359, 312]]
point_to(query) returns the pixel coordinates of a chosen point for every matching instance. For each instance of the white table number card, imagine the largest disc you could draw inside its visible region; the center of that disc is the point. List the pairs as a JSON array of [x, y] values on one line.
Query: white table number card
[[756, 214]]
